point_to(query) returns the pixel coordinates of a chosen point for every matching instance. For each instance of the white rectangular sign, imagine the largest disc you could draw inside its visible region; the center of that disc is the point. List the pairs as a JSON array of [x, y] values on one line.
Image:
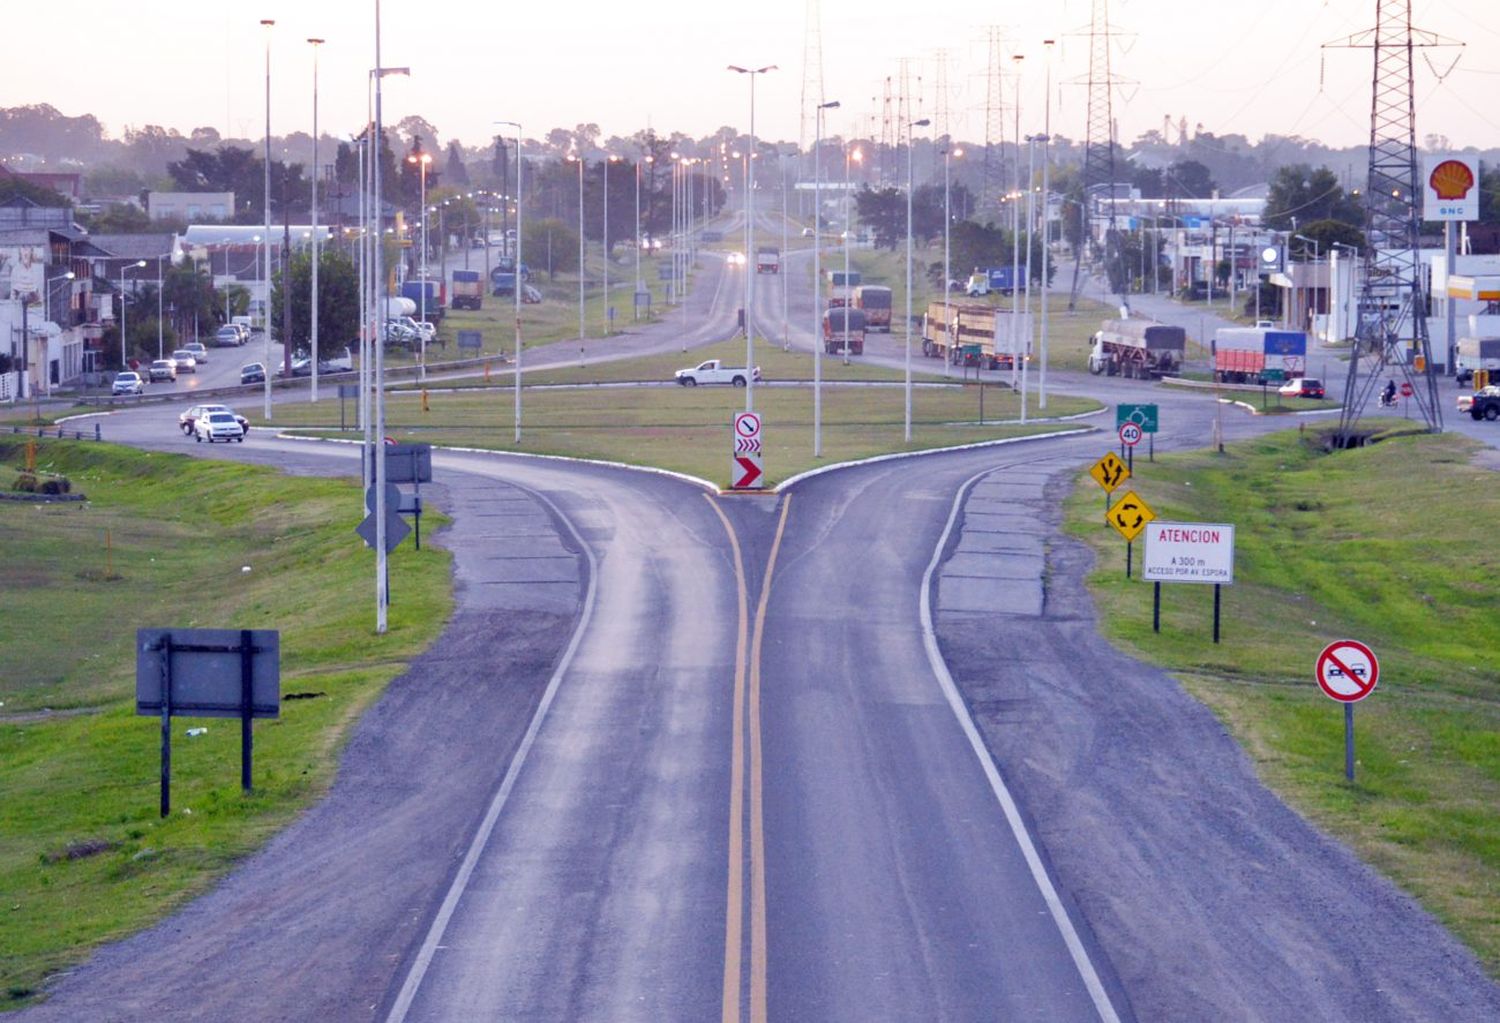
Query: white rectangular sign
[[1450, 187], [1189, 552]]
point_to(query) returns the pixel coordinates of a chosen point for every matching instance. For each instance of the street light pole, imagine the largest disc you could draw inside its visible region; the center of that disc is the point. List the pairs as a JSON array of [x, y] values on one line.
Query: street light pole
[[786, 328], [160, 352], [1041, 383], [265, 308], [750, 229], [138, 264], [856, 156], [910, 145], [516, 125], [313, 307], [609, 158], [422, 158], [947, 244], [817, 303]]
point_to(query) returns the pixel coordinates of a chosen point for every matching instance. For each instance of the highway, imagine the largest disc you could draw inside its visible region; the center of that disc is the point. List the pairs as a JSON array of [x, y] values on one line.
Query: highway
[[852, 751]]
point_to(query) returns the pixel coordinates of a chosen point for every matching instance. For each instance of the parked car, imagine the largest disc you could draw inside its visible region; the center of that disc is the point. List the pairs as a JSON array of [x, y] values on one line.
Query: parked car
[[128, 383], [186, 362], [162, 369], [425, 331], [252, 373], [228, 337], [200, 354], [187, 420], [398, 334], [1301, 387], [218, 426]]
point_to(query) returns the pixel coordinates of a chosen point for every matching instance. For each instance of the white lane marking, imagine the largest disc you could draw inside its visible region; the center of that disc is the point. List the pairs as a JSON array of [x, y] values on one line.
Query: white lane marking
[[430, 944], [1091, 981]]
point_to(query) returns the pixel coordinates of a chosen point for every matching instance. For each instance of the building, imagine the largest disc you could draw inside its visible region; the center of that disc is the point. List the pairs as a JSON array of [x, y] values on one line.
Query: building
[[190, 206]]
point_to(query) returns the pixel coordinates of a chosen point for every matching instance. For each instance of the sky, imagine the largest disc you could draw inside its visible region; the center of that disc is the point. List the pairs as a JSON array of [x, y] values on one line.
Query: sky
[[1246, 68]]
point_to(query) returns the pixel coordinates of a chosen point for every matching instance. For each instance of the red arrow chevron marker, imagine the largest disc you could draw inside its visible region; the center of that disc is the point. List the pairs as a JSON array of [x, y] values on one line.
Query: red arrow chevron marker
[[750, 472]]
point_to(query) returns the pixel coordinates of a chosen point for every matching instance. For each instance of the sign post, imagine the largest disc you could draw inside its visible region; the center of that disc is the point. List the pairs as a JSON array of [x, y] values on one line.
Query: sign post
[[1144, 416], [1347, 672], [217, 673], [1129, 516], [1188, 552], [1109, 472], [745, 468]]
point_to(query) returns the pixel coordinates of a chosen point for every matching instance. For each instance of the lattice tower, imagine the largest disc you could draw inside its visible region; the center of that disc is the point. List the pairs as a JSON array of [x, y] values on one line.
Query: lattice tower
[[1099, 143], [991, 176], [812, 73], [1392, 307]]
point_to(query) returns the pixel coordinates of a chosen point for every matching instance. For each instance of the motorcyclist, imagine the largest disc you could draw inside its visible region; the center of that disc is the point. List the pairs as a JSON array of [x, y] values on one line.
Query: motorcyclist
[[1388, 396]]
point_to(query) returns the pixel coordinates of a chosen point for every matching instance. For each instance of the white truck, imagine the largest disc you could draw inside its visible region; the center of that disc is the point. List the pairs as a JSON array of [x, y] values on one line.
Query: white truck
[[1142, 349], [1477, 353], [715, 372]]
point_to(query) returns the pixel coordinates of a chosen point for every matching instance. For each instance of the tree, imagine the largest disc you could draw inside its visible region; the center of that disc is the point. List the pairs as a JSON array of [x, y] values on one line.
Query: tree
[[455, 171], [552, 244], [883, 211], [1188, 179], [1300, 194], [13, 187], [117, 218], [190, 298], [338, 301], [1326, 232], [1489, 195]]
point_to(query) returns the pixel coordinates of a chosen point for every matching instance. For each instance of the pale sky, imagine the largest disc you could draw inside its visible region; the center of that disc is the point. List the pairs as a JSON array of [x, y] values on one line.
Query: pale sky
[[1250, 68]]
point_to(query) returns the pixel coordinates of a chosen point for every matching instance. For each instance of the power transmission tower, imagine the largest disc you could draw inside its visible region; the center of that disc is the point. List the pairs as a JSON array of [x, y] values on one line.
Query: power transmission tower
[[1392, 298], [940, 102], [1098, 147], [887, 126], [994, 120], [812, 72]]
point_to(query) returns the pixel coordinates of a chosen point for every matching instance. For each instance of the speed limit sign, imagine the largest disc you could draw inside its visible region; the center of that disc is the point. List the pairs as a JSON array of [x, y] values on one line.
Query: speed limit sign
[[1130, 434]]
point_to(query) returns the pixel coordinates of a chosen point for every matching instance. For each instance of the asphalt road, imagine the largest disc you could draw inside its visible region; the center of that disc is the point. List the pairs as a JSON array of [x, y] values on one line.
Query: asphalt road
[[850, 752]]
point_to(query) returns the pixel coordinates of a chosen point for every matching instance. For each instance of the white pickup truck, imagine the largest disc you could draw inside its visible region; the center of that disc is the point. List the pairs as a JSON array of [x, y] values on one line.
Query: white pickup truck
[[715, 372]]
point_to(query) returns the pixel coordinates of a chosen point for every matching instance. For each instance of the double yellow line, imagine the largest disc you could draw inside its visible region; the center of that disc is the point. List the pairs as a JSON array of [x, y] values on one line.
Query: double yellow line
[[747, 750]]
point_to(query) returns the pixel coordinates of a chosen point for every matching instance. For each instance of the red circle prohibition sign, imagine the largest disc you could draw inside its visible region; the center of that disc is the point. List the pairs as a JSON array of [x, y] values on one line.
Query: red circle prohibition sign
[[1347, 671]]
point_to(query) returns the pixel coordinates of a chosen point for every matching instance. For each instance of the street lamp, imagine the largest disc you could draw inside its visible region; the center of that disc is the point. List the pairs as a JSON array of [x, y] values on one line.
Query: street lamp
[[1311, 241], [517, 125], [750, 228], [265, 291], [138, 264], [818, 276], [947, 242], [1046, 140], [855, 156], [313, 393], [421, 158], [1041, 386], [160, 351], [910, 145], [609, 158], [575, 158]]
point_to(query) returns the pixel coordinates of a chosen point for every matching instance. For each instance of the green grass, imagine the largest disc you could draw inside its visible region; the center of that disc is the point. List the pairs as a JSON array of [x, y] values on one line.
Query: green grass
[[84, 857], [688, 429], [1390, 544]]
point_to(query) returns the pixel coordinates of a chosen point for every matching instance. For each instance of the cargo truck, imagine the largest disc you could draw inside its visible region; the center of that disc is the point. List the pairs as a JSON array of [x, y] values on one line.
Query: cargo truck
[[1142, 349], [970, 339], [768, 260], [844, 330], [1243, 355], [1000, 279], [841, 287], [875, 302], [1477, 353], [468, 289], [436, 296]]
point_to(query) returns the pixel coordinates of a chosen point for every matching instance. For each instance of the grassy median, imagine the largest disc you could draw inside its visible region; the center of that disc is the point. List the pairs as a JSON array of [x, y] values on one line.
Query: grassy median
[[163, 540], [688, 429], [1390, 544]]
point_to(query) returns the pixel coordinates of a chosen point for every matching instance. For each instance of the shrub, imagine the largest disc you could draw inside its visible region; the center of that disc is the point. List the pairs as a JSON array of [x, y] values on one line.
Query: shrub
[[26, 483]]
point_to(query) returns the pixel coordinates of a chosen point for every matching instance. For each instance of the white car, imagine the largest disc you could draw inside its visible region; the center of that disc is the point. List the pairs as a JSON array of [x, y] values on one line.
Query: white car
[[200, 353], [186, 361], [128, 383], [162, 369], [218, 426], [186, 420], [423, 330]]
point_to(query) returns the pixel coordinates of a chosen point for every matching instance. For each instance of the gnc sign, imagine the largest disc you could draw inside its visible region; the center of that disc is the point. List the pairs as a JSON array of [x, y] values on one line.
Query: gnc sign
[[1450, 187]]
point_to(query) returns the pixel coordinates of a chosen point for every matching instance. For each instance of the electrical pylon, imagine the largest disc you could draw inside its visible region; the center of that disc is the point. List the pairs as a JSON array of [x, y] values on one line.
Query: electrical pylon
[[994, 120], [1099, 144], [1392, 296], [812, 72]]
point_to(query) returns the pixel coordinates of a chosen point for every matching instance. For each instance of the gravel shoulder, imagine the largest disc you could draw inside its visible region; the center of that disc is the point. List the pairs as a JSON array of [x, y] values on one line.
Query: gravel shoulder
[[1210, 897]]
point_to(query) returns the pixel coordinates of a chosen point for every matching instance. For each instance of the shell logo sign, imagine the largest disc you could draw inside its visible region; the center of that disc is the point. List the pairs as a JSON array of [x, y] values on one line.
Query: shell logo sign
[[1448, 190]]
